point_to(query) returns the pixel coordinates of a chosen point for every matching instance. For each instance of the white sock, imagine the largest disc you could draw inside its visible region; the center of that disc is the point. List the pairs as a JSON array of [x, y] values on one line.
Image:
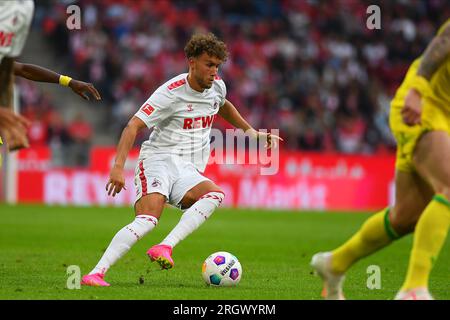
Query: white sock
[[124, 240], [194, 217]]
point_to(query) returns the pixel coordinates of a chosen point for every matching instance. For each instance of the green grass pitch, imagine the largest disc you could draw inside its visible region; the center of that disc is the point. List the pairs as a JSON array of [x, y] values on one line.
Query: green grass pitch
[[38, 243]]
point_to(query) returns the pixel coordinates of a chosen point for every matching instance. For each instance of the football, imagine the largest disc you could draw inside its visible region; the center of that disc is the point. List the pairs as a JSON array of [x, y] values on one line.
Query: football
[[222, 269]]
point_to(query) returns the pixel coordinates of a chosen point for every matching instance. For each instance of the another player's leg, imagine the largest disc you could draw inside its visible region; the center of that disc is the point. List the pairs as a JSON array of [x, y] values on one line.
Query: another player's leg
[[200, 201], [148, 209], [432, 160], [412, 196]]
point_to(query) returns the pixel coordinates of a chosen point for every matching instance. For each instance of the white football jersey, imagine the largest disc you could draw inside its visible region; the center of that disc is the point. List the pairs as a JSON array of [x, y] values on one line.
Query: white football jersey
[[15, 21], [181, 119]]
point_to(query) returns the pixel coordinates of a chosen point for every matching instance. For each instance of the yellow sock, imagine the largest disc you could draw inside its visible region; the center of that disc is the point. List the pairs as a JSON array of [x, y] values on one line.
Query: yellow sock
[[374, 234], [429, 236]]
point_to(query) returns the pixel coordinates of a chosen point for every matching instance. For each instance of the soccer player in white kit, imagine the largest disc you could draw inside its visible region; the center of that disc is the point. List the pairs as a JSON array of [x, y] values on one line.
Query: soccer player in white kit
[[181, 112], [15, 21]]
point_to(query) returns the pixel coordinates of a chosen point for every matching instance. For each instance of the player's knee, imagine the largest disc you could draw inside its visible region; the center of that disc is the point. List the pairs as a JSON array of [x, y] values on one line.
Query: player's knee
[[152, 204], [402, 220], [188, 200], [404, 227]]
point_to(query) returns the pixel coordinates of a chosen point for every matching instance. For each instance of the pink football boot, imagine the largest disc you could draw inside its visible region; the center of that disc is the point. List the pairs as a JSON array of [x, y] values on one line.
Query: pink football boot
[[162, 254], [94, 280]]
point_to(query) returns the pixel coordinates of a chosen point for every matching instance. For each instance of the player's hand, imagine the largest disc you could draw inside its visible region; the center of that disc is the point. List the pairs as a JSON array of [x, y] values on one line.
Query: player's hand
[[412, 111], [15, 138], [82, 88], [116, 181], [272, 140], [13, 129]]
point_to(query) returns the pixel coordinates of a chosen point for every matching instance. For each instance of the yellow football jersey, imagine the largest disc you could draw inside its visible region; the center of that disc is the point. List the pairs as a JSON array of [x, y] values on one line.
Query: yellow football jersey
[[435, 111], [439, 83]]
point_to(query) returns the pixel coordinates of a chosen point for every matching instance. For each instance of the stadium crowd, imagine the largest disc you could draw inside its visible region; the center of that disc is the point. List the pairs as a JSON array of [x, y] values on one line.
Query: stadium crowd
[[70, 141], [310, 68]]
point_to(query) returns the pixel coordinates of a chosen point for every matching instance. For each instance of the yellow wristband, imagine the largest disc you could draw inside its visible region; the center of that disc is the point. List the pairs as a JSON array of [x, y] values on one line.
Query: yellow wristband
[[64, 80], [422, 85]]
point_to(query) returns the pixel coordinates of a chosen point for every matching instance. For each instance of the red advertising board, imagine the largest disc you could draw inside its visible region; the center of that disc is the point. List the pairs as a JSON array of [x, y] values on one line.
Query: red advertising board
[[302, 181]]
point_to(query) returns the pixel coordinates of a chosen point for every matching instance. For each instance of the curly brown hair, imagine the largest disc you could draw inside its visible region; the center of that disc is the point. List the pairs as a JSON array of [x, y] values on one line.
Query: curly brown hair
[[209, 43]]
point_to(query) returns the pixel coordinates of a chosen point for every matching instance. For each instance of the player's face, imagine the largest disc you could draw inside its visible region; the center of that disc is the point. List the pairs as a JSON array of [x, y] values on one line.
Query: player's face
[[205, 69]]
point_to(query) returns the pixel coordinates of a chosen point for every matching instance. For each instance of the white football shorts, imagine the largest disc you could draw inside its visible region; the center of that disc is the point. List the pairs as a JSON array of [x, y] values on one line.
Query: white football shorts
[[168, 175]]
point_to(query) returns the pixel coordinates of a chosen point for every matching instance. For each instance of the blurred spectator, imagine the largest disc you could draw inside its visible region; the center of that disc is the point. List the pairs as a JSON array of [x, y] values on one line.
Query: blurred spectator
[[311, 139], [350, 133], [59, 140], [305, 67], [37, 132], [80, 133]]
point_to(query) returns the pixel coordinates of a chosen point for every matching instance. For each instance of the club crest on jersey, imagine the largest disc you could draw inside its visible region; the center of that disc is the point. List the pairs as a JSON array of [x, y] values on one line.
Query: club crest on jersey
[[156, 183], [190, 108]]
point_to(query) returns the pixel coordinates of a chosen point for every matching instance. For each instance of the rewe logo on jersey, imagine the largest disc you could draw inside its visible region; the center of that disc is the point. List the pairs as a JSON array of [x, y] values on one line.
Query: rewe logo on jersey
[[199, 122], [6, 38]]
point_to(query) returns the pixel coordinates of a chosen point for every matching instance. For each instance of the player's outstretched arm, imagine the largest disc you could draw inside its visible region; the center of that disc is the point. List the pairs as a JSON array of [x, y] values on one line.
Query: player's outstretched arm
[[229, 112], [40, 74], [116, 180], [435, 54]]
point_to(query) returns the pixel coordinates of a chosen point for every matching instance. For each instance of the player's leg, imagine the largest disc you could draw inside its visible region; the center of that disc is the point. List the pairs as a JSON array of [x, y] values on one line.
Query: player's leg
[[198, 203], [148, 209], [432, 160], [153, 184], [412, 196], [201, 191]]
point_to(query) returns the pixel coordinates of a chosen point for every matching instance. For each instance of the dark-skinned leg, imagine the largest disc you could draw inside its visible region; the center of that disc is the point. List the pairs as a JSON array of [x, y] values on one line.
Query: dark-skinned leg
[[432, 160], [412, 196]]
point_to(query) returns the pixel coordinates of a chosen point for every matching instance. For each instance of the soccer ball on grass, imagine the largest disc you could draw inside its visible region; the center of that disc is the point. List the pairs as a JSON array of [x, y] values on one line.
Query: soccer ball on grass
[[222, 269]]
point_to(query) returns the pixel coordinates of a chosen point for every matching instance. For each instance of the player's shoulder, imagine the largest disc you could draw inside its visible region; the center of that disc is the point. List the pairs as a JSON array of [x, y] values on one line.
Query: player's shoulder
[[445, 26], [7, 9], [168, 92], [175, 83], [219, 86], [218, 80], [27, 6], [10, 9]]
